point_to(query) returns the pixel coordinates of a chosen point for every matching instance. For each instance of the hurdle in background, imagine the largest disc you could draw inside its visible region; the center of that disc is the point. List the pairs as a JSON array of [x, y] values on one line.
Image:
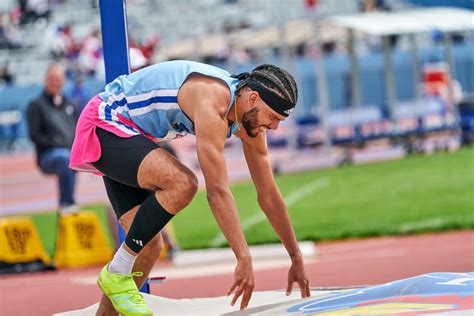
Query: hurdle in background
[[117, 62]]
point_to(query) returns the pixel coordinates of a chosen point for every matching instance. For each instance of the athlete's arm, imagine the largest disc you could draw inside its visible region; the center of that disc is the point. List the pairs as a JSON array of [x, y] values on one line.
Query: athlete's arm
[[211, 129], [273, 205]]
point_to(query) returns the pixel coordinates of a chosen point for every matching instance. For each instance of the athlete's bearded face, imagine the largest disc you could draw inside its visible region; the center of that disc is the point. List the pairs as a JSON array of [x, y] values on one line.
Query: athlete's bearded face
[[250, 121], [259, 117]]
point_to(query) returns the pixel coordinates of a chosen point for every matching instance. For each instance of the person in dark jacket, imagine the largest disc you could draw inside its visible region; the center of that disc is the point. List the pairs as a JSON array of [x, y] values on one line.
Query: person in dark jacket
[[52, 123]]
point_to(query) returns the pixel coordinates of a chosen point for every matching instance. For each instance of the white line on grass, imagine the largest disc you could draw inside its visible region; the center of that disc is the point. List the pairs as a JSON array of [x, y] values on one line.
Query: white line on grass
[[291, 199]]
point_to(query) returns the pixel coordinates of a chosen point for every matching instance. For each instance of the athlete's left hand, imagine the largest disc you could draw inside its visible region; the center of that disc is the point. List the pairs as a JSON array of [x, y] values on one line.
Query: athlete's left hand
[[298, 274]]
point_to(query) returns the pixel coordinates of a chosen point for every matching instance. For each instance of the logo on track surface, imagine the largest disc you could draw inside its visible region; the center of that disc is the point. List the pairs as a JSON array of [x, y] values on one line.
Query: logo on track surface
[[424, 294]]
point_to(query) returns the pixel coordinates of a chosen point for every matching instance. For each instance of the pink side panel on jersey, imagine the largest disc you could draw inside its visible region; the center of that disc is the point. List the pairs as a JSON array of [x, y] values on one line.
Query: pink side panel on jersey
[[86, 147]]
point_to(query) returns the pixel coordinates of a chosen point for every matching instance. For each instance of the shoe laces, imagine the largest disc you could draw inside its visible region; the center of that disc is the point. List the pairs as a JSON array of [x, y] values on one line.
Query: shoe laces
[[131, 275], [134, 295]]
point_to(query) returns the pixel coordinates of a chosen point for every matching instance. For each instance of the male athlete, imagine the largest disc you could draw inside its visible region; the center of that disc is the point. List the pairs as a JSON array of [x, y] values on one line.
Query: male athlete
[[117, 136]]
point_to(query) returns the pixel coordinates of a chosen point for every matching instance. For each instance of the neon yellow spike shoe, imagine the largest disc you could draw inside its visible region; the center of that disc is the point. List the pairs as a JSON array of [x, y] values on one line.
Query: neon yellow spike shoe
[[123, 293]]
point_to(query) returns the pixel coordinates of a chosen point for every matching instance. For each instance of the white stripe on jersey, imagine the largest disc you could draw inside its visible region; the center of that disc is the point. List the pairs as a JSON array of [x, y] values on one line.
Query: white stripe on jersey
[[153, 106], [114, 120], [101, 110], [152, 94], [110, 101], [119, 97]]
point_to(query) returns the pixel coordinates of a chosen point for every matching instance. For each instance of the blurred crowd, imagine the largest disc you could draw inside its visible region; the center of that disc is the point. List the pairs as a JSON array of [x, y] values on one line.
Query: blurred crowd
[[79, 47], [82, 56]]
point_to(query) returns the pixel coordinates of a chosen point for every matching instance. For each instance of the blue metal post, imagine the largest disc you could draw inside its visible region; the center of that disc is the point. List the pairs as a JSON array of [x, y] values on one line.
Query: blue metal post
[[113, 19], [114, 38]]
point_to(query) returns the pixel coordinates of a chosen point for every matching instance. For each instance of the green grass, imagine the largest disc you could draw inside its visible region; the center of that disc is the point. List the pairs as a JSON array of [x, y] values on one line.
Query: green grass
[[413, 195], [417, 194]]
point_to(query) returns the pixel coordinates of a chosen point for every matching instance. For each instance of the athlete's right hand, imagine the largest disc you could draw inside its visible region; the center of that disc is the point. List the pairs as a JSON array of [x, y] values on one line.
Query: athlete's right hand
[[243, 282]]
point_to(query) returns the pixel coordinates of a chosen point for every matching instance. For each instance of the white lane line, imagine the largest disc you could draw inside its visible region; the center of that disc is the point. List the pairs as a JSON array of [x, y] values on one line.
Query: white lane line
[[216, 255], [291, 199], [197, 271]]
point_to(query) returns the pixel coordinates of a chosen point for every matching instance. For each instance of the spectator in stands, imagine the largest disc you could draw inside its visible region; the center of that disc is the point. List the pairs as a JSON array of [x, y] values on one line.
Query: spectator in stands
[[374, 5], [9, 35], [137, 59], [78, 93], [90, 55], [72, 48], [6, 77], [32, 10], [52, 123], [61, 44], [4, 41], [147, 47]]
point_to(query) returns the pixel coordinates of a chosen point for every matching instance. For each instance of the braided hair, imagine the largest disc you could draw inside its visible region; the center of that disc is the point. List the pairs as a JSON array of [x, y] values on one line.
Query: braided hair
[[276, 79]]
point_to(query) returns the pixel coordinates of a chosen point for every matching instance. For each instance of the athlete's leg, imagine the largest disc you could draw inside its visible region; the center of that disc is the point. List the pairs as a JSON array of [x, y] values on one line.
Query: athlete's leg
[[138, 162], [174, 184], [144, 262], [135, 167]]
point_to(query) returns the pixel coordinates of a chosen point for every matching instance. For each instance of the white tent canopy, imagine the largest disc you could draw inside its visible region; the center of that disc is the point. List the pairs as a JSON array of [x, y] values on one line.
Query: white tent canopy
[[408, 21]]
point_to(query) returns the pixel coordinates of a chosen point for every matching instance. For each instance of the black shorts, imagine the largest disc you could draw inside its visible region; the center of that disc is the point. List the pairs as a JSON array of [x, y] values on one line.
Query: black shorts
[[119, 162]]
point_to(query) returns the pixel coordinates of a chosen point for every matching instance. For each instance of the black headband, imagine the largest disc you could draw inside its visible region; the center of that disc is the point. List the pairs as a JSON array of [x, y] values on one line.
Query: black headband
[[273, 100]]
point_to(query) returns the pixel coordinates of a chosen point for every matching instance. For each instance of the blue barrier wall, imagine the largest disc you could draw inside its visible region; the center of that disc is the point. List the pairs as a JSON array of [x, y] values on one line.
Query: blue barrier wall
[[371, 79], [468, 4], [338, 73]]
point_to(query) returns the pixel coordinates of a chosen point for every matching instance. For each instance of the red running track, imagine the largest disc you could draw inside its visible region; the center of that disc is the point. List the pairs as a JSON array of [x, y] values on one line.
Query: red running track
[[357, 262]]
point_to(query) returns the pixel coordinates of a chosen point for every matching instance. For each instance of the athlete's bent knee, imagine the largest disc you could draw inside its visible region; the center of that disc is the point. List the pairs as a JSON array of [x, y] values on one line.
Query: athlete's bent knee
[[192, 188], [188, 187]]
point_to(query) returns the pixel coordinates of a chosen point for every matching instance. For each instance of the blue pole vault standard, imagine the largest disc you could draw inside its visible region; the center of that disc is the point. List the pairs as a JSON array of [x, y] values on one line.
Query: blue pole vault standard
[[114, 38], [113, 20]]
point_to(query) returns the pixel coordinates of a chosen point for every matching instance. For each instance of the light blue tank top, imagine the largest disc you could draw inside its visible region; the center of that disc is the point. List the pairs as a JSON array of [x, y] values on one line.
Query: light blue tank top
[[147, 100]]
